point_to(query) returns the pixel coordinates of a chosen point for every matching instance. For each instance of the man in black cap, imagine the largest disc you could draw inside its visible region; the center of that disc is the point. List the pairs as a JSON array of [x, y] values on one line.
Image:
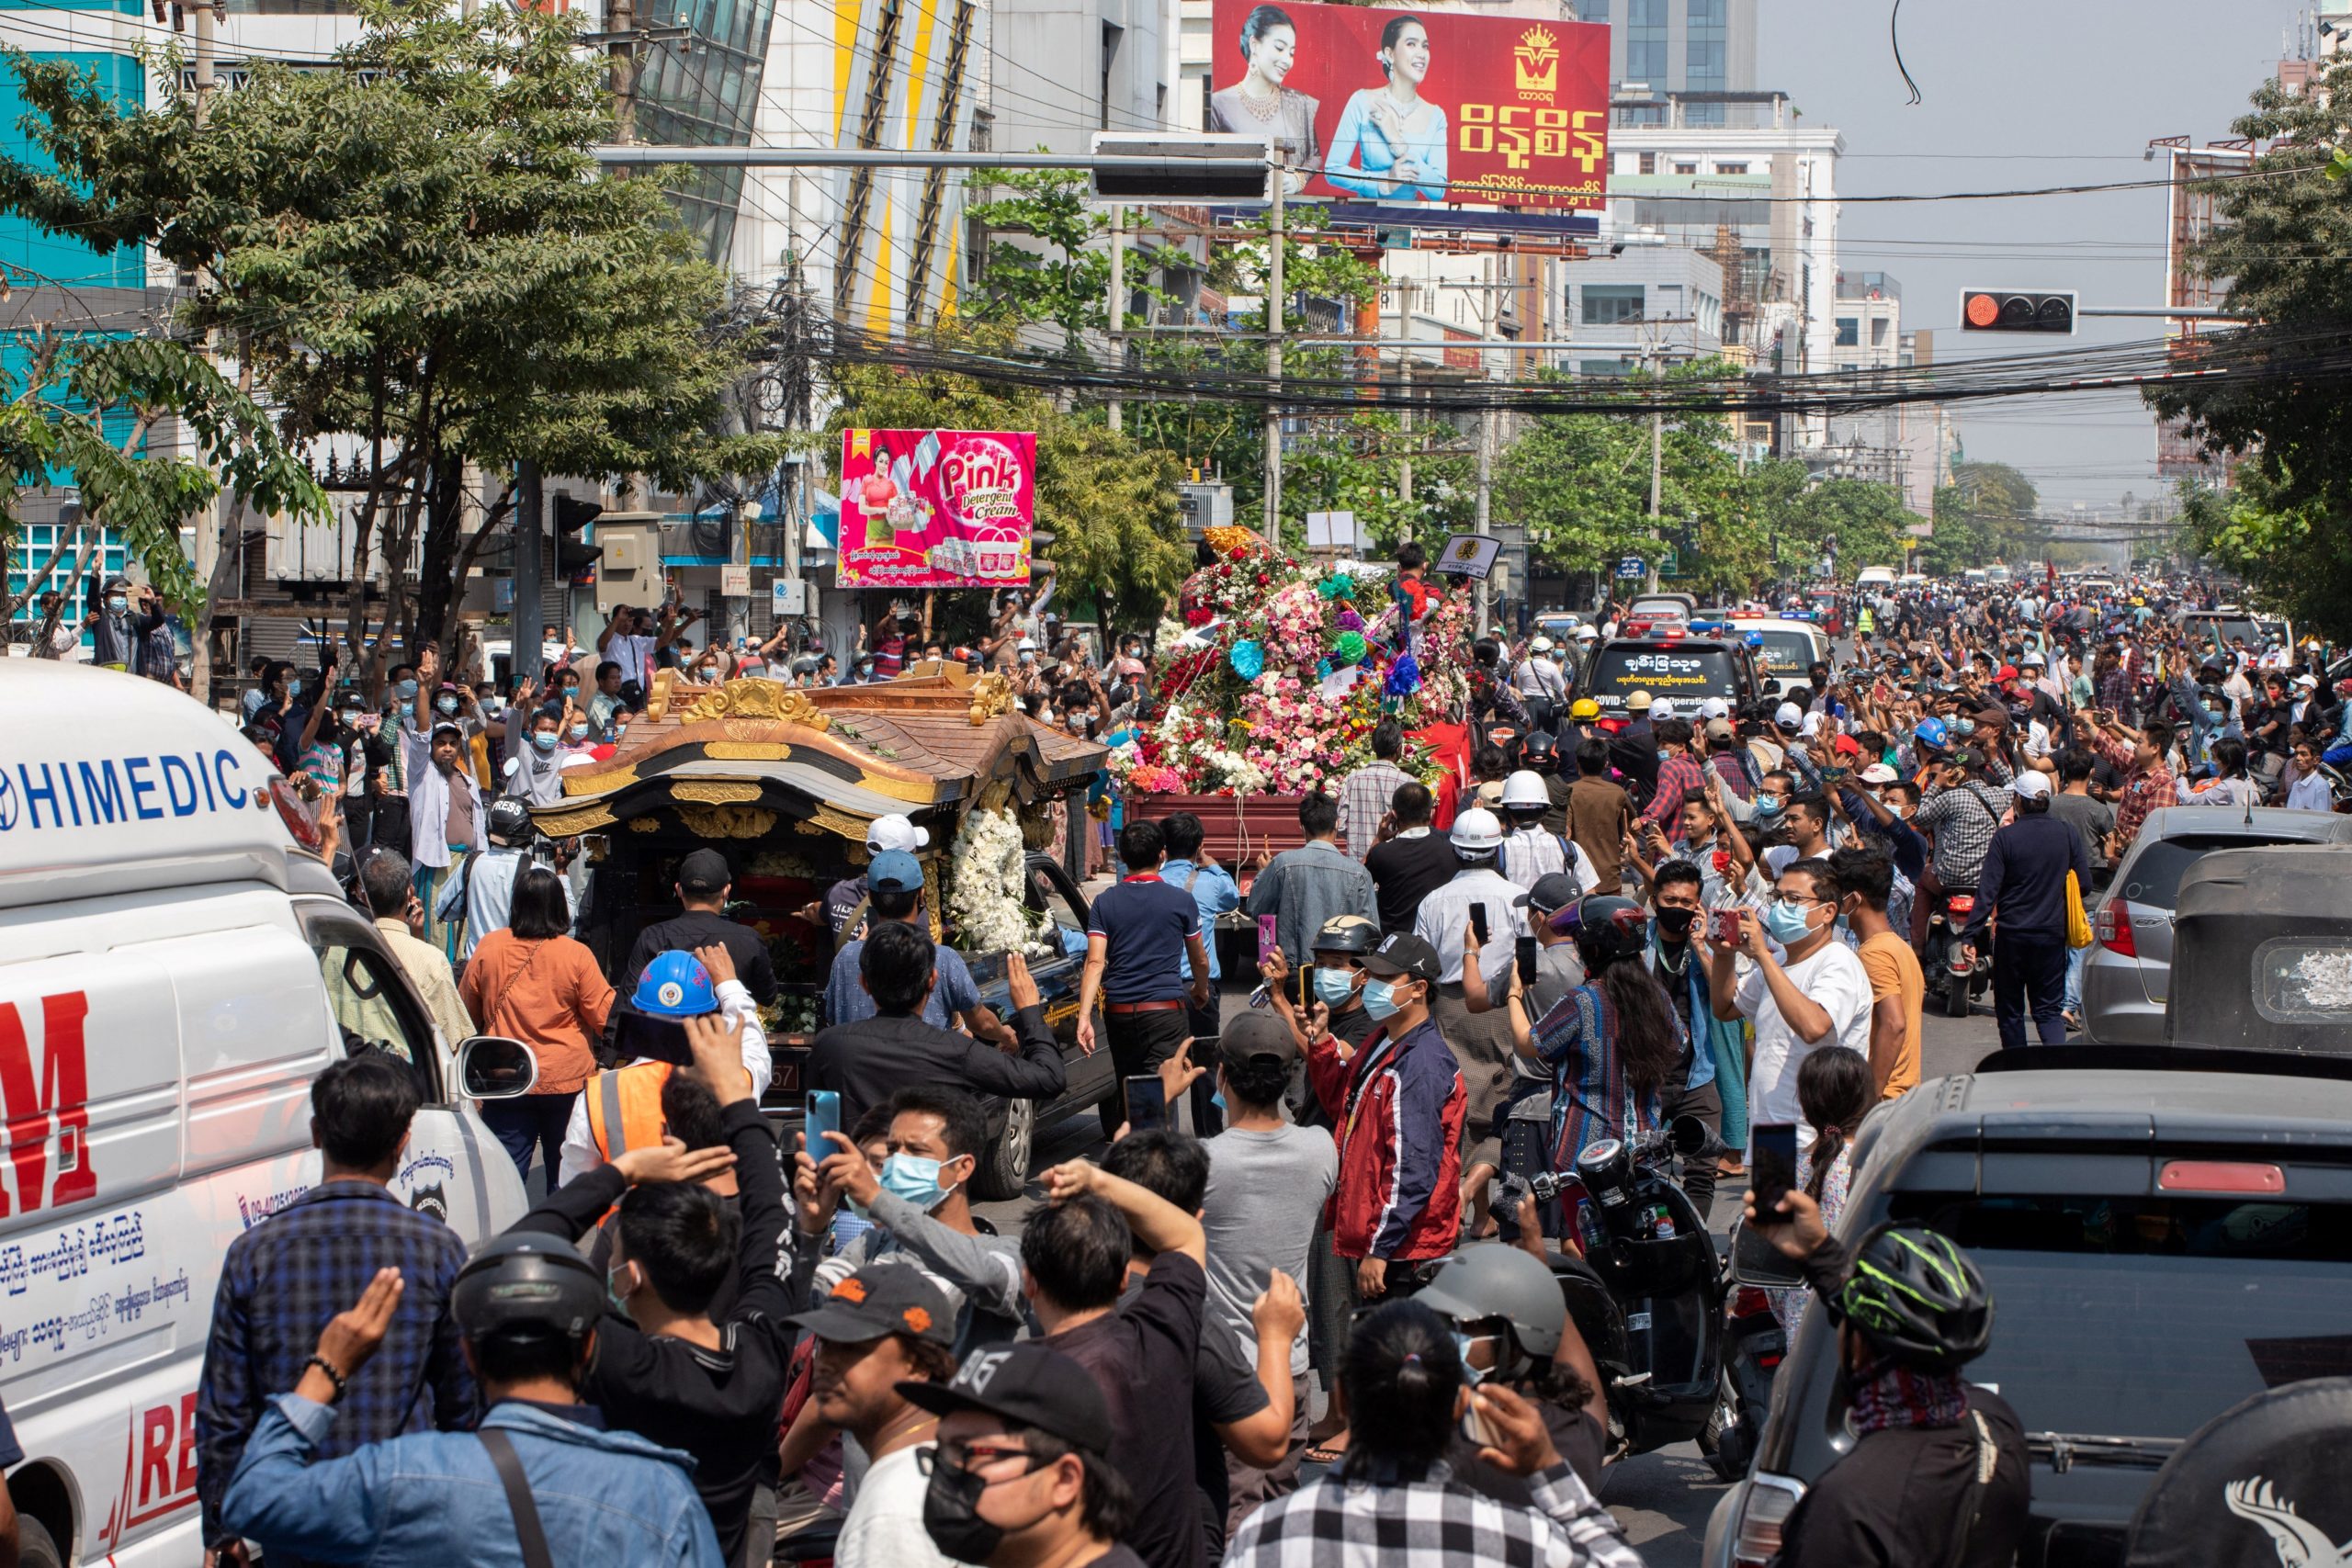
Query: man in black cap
[[886, 1328], [702, 886], [1019, 1474]]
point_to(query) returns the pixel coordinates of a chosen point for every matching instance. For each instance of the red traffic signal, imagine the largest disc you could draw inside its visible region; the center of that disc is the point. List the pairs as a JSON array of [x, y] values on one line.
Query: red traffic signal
[[2016, 311]]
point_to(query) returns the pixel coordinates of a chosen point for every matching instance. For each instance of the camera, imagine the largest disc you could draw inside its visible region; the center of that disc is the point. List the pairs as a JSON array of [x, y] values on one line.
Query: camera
[[1512, 1190]]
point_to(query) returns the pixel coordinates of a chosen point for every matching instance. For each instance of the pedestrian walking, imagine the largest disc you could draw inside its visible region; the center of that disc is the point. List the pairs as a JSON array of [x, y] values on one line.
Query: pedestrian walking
[[1305, 887], [2023, 896], [1139, 933], [532, 982]]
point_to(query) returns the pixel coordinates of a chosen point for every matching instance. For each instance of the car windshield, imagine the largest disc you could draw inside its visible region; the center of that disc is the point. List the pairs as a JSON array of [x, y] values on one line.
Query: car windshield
[[1785, 650], [1676, 669], [2152, 879], [2147, 1317]]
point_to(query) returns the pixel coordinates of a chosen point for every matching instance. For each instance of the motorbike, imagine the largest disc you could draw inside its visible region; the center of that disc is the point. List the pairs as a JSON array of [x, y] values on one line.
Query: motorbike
[[1754, 1348], [1648, 1293], [1958, 980]]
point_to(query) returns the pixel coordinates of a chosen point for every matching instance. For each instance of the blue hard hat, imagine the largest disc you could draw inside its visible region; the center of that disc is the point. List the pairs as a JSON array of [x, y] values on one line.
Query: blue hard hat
[[1931, 731], [675, 984]]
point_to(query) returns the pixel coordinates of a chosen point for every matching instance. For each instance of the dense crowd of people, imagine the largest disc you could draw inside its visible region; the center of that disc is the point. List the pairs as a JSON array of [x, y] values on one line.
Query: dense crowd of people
[[1479, 964]]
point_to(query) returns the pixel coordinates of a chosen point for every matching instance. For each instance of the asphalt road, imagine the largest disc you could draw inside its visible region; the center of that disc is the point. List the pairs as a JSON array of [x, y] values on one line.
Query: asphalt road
[[1662, 1498]]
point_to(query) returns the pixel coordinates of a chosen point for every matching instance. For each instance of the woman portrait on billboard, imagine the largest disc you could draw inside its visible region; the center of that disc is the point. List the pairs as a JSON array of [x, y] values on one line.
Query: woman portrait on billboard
[[1390, 144], [1258, 104]]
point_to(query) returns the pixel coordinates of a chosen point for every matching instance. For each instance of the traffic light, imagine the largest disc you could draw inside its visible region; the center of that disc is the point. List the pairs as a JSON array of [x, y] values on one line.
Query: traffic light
[[2017, 310]]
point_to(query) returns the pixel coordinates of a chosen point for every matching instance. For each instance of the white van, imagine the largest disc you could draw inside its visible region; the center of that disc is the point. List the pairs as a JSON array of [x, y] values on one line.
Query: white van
[[173, 971], [1875, 577]]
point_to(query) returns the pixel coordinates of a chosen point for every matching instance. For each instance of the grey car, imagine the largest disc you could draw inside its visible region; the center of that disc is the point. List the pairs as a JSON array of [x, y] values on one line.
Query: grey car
[[2154, 1256], [2127, 970]]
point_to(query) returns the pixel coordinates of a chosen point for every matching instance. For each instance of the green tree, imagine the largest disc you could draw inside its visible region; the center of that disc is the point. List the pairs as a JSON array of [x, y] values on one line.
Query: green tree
[[415, 249], [84, 407], [1987, 514], [1110, 505], [2285, 229], [1063, 277]]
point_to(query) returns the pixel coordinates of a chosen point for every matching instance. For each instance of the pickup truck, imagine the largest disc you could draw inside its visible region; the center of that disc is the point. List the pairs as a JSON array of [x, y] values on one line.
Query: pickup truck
[[1012, 1124]]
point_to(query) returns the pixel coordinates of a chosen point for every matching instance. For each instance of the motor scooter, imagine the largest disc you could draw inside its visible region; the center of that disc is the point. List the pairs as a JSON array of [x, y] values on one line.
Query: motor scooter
[[1956, 979], [1647, 1295]]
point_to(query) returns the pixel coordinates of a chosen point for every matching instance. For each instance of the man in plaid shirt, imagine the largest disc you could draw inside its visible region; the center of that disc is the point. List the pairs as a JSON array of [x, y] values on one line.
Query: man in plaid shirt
[[1962, 812], [1394, 1499], [1366, 795], [285, 1279], [2138, 755], [1679, 776]]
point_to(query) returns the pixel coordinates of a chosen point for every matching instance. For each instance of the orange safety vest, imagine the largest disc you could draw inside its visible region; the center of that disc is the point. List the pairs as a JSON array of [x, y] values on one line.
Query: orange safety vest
[[626, 1102]]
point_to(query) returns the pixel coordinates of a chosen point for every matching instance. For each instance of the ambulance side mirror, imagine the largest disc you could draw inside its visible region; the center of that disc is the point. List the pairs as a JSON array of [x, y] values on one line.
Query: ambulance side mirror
[[491, 1067]]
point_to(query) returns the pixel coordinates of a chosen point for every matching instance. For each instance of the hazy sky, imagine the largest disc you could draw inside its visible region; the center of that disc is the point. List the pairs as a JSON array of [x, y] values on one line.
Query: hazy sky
[[2022, 93]]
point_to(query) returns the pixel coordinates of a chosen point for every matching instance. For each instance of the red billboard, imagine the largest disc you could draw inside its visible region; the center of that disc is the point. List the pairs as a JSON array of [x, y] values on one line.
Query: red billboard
[[1419, 108]]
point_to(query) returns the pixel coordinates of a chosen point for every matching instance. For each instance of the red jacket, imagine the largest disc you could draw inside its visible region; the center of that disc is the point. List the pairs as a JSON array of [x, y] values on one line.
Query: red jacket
[[1398, 1107]]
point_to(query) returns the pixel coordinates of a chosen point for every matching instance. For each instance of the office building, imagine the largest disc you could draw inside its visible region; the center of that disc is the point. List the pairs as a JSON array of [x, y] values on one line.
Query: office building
[[1690, 47]]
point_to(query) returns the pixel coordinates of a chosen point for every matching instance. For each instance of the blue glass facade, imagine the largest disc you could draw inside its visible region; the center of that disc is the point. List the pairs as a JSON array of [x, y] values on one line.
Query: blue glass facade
[[704, 92], [66, 262]]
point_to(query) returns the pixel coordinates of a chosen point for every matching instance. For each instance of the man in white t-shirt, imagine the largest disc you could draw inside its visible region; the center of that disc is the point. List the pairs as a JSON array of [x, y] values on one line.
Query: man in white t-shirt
[[886, 1325], [1817, 994]]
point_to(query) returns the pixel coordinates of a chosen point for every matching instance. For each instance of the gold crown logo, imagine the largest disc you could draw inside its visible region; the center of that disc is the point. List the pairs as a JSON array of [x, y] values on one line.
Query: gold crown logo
[[1537, 61]]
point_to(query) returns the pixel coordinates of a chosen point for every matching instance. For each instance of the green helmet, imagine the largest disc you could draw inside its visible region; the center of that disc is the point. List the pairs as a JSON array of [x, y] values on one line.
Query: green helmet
[[1917, 1298]]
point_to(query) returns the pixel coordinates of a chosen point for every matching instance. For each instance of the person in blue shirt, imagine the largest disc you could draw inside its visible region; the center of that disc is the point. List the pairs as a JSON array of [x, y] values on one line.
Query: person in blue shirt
[[1213, 891], [1390, 144], [894, 892], [527, 1307]]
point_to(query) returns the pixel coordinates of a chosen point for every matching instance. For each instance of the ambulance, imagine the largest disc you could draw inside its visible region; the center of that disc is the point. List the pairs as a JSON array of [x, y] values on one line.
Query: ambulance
[[176, 968]]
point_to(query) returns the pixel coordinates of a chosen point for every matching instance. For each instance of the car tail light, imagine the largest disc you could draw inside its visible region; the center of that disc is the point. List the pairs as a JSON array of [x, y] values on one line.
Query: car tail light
[[1768, 1363], [1748, 1302], [2220, 1175], [1962, 905], [1763, 1510], [2112, 928], [1611, 725], [294, 813], [1633, 628]]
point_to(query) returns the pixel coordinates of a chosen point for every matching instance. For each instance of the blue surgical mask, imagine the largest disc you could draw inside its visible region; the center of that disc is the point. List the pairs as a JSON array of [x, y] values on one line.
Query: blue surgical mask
[[1217, 1100], [579, 732], [1461, 1343], [1380, 1000], [293, 688], [613, 1292], [1334, 987], [1770, 805], [117, 604], [405, 691], [1785, 923], [446, 705], [544, 740], [914, 1179]]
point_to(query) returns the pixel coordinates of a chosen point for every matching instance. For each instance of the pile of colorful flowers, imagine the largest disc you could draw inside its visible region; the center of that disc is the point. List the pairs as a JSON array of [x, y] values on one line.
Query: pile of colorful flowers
[[1285, 675]]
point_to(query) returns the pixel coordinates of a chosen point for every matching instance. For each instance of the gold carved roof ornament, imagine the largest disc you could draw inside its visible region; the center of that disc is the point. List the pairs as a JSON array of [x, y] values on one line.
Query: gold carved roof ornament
[[749, 697], [992, 697]]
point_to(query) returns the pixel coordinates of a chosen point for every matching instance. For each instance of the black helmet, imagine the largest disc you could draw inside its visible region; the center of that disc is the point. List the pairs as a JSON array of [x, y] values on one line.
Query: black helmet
[[531, 1284], [1492, 1280], [509, 821], [1610, 927], [1347, 933], [1917, 1298], [1539, 747]]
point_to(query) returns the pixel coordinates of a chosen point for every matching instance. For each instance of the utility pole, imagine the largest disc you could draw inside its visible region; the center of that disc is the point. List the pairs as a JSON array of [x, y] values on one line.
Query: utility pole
[[1115, 317], [1657, 463], [1274, 192], [1405, 428], [523, 619], [620, 22], [1486, 486]]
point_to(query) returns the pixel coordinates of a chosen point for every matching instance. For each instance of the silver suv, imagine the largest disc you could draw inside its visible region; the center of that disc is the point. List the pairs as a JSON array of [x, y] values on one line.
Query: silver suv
[[2127, 971]]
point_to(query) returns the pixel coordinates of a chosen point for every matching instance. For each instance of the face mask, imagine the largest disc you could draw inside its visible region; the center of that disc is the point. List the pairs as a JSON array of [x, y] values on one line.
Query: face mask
[[1462, 1342], [493, 704], [1027, 656], [613, 1292], [1786, 923], [579, 732], [1334, 987], [445, 705], [293, 688], [543, 740], [950, 1516], [1380, 1000], [405, 690], [1770, 805], [1674, 922], [916, 1179], [118, 605]]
